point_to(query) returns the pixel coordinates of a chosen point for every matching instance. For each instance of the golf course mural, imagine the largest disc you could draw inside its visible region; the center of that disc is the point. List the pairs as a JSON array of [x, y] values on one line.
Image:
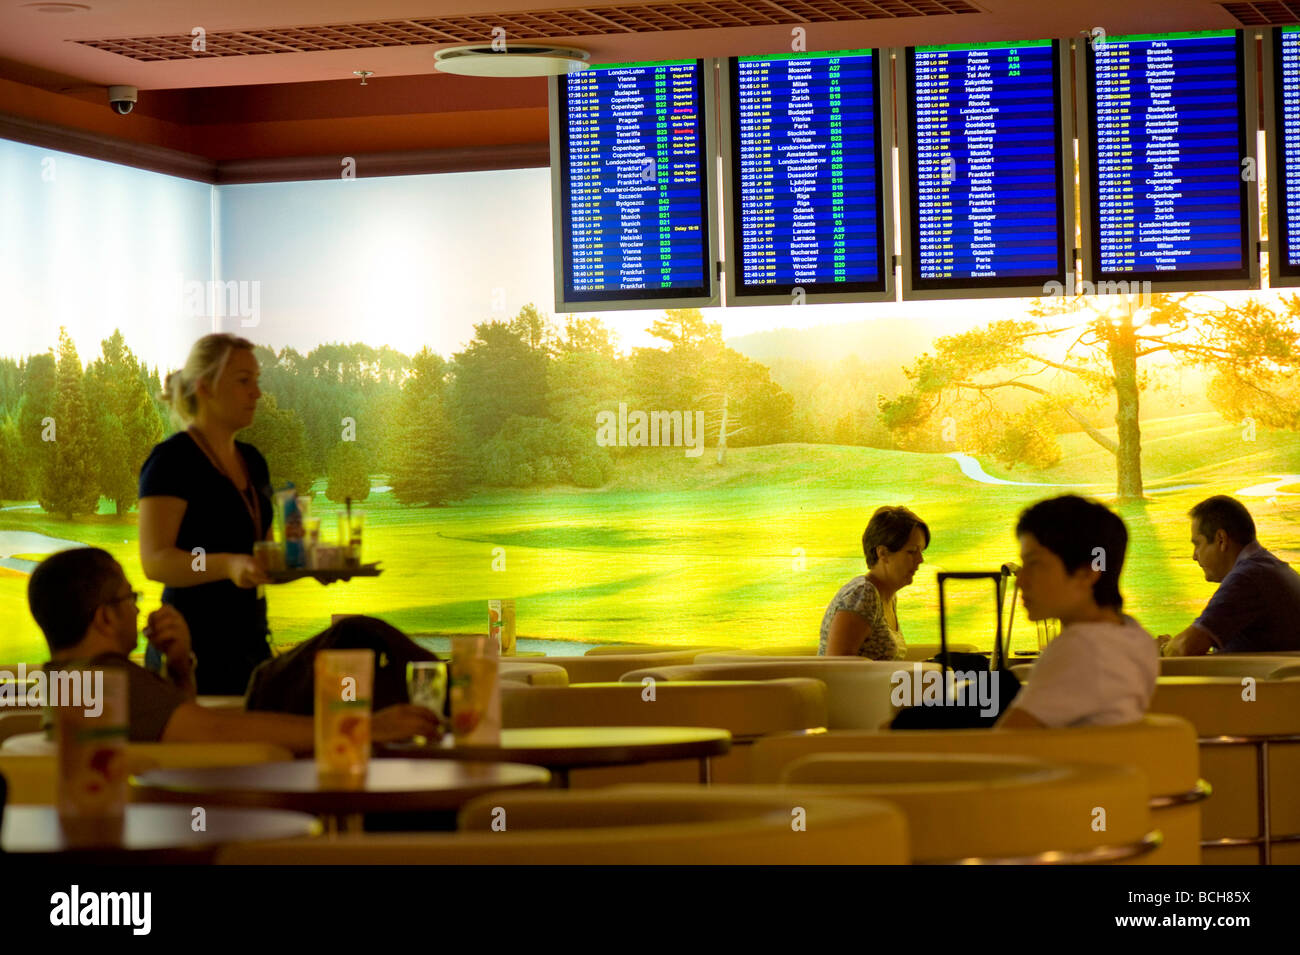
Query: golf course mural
[[671, 476]]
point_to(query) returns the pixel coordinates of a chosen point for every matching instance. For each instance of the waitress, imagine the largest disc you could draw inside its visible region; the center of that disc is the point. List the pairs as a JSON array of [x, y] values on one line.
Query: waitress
[[203, 489]]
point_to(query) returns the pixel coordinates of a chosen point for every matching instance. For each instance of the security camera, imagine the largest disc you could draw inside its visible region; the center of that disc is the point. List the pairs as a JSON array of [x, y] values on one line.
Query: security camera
[[122, 98]]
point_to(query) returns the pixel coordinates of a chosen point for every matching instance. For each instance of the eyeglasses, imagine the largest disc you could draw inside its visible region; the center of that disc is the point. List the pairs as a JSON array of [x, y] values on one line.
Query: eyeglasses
[[135, 596]]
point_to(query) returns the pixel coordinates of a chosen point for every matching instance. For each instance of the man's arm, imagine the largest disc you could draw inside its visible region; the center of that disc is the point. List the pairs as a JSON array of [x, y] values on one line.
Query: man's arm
[[1193, 642], [191, 723]]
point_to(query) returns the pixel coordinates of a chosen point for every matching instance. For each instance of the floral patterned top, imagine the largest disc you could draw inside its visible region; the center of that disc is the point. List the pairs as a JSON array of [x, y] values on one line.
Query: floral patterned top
[[860, 596]]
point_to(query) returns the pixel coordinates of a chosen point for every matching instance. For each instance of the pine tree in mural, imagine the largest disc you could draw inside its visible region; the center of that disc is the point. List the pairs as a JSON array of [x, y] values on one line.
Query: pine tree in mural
[[128, 424], [69, 485]]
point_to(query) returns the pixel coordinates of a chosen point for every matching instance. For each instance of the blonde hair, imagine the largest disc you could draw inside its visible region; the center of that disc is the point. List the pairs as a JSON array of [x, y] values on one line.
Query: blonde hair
[[207, 361]]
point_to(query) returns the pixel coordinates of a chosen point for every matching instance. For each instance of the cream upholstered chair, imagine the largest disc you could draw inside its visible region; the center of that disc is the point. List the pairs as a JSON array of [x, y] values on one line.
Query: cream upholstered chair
[[1250, 752], [605, 649], [915, 653], [859, 693], [605, 667], [747, 710], [1259, 666], [22, 722], [533, 674], [646, 825], [997, 809], [34, 779], [1162, 747]]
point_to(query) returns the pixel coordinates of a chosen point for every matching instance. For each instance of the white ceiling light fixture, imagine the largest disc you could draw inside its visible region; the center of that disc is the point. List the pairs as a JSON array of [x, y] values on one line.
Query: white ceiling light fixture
[[481, 59]]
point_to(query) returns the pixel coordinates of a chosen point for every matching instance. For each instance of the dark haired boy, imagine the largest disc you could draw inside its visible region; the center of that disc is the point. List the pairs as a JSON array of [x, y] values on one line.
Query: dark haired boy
[[1102, 667]]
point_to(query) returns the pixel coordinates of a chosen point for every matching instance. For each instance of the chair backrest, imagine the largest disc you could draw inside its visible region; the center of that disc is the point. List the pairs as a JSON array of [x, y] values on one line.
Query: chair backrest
[[1246, 726], [605, 667], [1261, 667], [996, 808], [632, 648], [1161, 746], [533, 674], [674, 825], [859, 693], [745, 708], [23, 721], [914, 653], [34, 779]]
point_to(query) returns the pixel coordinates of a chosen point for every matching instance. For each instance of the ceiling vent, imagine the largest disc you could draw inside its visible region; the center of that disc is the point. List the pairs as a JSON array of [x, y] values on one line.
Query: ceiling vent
[[654, 16], [1265, 13]]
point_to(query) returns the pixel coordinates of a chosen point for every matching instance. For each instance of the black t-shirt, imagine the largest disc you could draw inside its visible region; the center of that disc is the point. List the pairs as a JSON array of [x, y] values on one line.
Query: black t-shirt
[[227, 623]]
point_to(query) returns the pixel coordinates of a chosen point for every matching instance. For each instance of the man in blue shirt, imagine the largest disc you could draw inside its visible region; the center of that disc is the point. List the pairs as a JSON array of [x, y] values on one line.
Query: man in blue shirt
[[1257, 606]]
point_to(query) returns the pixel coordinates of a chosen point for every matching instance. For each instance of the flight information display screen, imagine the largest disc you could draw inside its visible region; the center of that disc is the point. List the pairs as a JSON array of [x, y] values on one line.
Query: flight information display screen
[[807, 198], [634, 182], [986, 199], [1167, 138], [1286, 143]]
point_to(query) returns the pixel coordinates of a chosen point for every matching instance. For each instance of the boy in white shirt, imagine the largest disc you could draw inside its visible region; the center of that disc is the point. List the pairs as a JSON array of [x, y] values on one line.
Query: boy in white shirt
[[1102, 667]]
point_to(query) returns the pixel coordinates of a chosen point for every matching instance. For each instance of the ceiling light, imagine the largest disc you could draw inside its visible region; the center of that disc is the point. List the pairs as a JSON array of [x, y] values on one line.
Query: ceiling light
[[483, 60]]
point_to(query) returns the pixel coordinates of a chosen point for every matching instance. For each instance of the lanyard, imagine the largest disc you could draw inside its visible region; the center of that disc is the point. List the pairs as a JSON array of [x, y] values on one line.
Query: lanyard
[[252, 501]]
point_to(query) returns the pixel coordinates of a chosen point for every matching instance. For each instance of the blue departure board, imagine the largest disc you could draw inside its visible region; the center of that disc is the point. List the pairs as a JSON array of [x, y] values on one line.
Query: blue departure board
[[986, 202], [807, 199], [1167, 140], [633, 184], [1285, 171]]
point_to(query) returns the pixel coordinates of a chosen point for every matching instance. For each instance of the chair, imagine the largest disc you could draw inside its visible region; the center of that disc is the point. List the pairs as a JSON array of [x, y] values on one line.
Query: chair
[[601, 668], [1162, 747], [22, 722], [980, 809], [605, 649], [747, 709], [533, 674], [645, 825], [34, 779], [1260, 666], [859, 692], [1250, 752], [915, 653]]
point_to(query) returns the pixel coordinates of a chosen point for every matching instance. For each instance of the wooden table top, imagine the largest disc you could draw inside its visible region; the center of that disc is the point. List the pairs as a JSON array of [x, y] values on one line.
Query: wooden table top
[[158, 832], [574, 746], [390, 785]]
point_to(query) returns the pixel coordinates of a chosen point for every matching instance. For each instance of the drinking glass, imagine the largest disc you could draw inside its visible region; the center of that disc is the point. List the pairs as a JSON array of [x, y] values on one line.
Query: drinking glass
[[426, 685], [344, 684]]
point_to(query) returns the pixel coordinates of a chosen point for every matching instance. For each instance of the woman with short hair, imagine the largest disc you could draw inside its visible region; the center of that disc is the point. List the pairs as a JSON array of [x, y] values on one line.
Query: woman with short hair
[[862, 618]]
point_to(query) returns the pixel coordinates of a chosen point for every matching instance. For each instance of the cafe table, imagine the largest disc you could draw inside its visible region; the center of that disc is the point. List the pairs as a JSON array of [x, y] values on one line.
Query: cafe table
[[390, 786], [563, 748], [151, 834]]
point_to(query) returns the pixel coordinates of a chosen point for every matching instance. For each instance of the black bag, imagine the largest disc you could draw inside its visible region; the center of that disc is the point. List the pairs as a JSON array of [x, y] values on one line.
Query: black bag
[[968, 714], [287, 683]]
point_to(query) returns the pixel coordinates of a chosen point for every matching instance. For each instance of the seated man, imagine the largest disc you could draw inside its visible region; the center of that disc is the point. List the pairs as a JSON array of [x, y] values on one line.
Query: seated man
[[1101, 668], [87, 610], [1257, 606]]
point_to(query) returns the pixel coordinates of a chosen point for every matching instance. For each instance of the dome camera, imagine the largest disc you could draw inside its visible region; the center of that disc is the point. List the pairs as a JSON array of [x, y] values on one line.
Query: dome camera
[[122, 98]]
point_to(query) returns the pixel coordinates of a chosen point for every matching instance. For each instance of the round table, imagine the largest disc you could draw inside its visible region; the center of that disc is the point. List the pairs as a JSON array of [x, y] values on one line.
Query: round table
[[390, 786], [562, 748], [153, 834]]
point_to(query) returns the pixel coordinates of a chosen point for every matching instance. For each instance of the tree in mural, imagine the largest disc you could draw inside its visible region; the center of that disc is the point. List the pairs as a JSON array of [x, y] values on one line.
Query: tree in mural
[[126, 421], [427, 465], [69, 483], [1251, 349]]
